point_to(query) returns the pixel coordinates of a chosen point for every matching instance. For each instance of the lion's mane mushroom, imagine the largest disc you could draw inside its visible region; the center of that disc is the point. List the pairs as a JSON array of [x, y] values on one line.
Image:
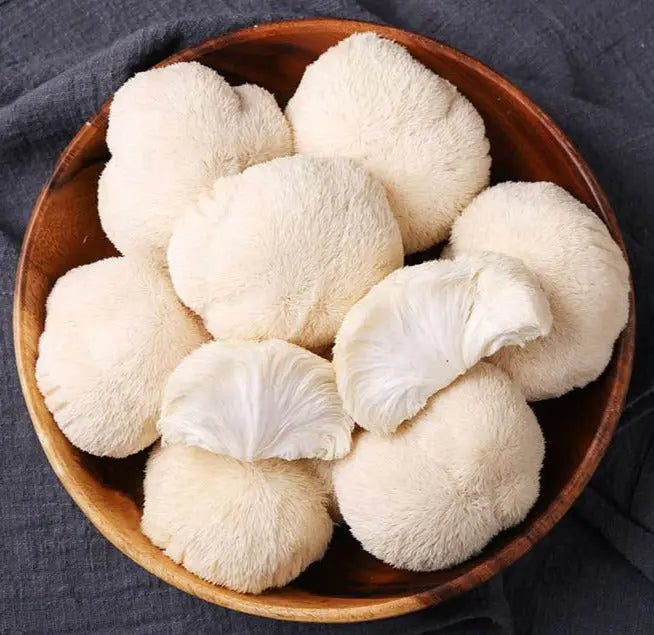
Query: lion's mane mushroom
[[423, 326], [579, 266], [256, 400], [435, 493], [172, 131], [246, 526], [114, 330], [284, 249], [367, 99]]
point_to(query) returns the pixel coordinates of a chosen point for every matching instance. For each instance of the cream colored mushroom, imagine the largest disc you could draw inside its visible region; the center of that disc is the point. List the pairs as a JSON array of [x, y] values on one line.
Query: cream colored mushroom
[[172, 131], [423, 326], [246, 526], [284, 249], [579, 266], [367, 99], [434, 494], [256, 400], [114, 330], [324, 471]]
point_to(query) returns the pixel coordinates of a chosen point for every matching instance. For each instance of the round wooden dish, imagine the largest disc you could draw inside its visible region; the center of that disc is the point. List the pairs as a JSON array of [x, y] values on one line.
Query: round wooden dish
[[348, 585]]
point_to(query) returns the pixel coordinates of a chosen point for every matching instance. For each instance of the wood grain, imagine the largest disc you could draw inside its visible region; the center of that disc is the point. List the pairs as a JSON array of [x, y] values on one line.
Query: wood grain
[[349, 584]]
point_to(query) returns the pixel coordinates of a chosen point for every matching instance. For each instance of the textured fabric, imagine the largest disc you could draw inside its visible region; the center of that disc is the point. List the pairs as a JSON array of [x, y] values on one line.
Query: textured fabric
[[589, 64]]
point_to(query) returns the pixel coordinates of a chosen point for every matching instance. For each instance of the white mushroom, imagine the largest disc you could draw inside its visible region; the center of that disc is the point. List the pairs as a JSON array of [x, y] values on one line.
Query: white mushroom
[[256, 400], [324, 471], [423, 326], [436, 492], [246, 526], [367, 99], [579, 266], [114, 331], [284, 249], [172, 131]]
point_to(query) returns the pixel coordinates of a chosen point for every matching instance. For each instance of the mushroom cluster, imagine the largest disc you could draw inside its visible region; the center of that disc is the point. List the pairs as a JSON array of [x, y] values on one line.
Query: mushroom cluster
[[260, 311]]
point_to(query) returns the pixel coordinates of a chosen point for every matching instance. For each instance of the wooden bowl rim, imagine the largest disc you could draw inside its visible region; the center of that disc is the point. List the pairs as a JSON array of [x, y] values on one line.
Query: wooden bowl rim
[[360, 609]]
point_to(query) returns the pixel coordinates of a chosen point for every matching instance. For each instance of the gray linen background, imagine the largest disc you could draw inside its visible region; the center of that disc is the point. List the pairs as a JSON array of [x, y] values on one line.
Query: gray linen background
[[589, 64]]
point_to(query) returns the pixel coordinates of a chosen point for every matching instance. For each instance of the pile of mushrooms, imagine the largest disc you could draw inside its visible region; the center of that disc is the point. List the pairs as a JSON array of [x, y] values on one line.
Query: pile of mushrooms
[[253, 241]]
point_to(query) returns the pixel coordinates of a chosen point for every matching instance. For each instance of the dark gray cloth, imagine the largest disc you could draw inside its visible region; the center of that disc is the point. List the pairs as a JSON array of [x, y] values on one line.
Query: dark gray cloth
[[589, 64]]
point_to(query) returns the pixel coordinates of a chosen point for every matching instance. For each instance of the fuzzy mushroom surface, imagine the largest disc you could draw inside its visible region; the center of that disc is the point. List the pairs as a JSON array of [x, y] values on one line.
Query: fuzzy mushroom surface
[[256, 400], [423, 326], [172, 131], [579, 266], [246, 526], [284, 249], [434, 494], [367, 99], [114, 331], [323, 470]]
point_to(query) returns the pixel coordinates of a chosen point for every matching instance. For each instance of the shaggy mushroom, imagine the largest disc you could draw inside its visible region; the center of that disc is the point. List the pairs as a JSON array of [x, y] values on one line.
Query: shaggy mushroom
[[284, 249], [434, 493], [367, 99], [324, 470], [423, 326], [246, 526], [114, 330], [256, 400], [172, 131], [579, 266]]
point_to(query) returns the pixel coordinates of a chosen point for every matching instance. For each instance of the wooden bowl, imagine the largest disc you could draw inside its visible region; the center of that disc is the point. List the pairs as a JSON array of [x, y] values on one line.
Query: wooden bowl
[[348, 584]]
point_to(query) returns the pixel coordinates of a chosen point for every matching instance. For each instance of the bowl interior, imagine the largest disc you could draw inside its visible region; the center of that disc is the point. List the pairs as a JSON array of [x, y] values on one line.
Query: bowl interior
[[348, 584]]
